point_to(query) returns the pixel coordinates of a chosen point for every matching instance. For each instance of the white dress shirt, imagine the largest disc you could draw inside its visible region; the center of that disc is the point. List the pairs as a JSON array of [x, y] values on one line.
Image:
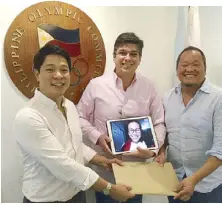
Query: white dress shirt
[[53, 151]]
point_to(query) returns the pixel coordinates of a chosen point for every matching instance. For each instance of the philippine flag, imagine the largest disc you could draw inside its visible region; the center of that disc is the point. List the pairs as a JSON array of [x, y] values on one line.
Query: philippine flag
[[69, 40]]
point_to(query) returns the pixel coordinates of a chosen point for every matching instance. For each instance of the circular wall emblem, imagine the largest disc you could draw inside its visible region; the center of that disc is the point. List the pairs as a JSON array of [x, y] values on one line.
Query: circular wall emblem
[[57, 23]]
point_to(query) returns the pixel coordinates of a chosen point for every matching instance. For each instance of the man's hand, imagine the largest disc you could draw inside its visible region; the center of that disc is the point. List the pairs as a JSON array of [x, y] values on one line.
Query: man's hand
[[108, 163], [121, 192], [161, 159], [104, 162], [103, 142], [141, 153], [185, 189]]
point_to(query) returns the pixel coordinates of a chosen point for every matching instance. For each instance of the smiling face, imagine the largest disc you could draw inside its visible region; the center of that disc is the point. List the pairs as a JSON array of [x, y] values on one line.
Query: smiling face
[[127, 59], [54, 76], [134, 131], [191, 70]]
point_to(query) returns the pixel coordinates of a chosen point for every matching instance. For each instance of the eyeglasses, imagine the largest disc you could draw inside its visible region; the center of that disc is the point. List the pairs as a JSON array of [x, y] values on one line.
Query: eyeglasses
[[137, 130]]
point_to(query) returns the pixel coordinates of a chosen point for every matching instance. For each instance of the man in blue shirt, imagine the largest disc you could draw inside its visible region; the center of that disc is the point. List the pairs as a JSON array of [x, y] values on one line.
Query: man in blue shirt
[[193, 117]]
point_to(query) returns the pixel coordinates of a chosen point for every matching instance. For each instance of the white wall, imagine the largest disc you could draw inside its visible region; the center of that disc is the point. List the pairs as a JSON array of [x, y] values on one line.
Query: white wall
[[211, 40], [155, 25]]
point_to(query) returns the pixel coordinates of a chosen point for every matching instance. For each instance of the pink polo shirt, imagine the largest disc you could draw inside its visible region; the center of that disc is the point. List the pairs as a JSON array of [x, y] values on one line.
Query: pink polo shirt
[[104, 98]]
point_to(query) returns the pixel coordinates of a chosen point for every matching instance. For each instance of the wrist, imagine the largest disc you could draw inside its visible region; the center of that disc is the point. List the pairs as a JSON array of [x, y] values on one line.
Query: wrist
[[113, 189], [100, 160], [108, 189], [93, 160], [162, 149], [161, 152], [194, 179], [97, 142], [98, 139], [103, 161]]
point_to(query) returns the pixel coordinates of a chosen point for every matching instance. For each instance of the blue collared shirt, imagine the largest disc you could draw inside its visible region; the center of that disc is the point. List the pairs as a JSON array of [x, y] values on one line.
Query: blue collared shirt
[[195, 132]]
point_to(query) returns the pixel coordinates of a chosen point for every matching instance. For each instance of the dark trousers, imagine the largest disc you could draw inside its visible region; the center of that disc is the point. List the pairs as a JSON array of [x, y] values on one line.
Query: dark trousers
[[215, 196], [78, 198], [101, 198]]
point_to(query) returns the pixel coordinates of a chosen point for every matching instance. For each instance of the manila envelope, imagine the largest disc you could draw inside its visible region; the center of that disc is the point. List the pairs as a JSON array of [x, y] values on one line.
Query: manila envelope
[[147, 178]]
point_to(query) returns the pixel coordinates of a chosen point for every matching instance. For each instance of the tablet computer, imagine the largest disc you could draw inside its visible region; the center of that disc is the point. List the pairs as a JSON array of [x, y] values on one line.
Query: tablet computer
[[129, 133]]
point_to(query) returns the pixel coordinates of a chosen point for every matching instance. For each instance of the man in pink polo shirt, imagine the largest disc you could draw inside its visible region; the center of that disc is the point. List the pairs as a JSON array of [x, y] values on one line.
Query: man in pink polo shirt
[[120, 94]]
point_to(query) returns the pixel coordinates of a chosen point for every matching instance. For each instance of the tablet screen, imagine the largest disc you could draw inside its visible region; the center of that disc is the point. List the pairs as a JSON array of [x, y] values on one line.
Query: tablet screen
[[129, 133]]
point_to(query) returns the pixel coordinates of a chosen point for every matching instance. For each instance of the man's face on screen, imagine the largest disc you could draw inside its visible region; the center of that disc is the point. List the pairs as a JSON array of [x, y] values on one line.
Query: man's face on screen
[[134, 131]]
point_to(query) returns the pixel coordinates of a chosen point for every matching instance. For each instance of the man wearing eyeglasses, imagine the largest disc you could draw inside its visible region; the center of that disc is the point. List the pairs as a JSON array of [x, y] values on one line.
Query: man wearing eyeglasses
[[121, 94]]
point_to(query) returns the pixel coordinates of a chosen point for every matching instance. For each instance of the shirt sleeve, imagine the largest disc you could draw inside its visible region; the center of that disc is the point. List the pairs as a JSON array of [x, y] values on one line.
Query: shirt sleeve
[[157, 115], [34, 137], [88, 153], [85, 109], [216, 149]]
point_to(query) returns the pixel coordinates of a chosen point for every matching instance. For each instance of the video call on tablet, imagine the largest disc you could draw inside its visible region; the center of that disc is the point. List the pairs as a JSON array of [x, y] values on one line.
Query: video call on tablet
[[129, 133]]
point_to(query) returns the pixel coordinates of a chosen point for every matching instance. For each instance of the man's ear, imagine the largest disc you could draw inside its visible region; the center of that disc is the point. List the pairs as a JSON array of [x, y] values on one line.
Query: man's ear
[[36, 73]]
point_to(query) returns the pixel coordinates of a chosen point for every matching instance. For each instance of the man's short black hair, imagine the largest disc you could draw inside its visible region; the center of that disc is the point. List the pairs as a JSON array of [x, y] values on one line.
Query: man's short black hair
[[128, 37], [49, 49], [191, 48]]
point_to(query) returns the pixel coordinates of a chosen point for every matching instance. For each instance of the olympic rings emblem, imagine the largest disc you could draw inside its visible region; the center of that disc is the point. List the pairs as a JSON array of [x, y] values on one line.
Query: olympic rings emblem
[[80, 69]]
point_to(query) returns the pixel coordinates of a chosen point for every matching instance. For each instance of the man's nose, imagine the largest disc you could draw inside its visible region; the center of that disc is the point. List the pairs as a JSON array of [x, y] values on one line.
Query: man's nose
[[58, 74], [128, 57], [190, 68]]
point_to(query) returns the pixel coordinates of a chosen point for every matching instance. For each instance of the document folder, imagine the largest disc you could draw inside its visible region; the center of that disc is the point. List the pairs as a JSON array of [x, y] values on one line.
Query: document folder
[[147, 178]]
